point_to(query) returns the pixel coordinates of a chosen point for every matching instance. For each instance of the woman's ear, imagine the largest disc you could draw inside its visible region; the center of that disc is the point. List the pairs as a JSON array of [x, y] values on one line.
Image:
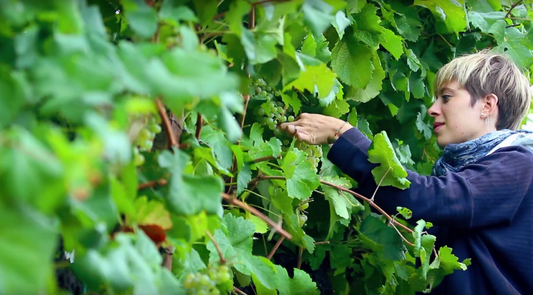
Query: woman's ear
[[490, 104]]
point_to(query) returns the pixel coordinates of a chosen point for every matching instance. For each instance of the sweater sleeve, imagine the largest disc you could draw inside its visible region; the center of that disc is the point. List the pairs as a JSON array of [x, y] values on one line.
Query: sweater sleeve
[[485, 193]]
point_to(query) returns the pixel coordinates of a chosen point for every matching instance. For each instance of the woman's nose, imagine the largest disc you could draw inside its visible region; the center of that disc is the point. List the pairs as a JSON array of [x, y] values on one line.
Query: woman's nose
[[434, 110]]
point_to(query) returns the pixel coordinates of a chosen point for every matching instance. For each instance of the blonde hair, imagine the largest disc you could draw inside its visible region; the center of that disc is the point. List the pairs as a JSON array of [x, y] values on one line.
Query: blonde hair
[[484, 73]]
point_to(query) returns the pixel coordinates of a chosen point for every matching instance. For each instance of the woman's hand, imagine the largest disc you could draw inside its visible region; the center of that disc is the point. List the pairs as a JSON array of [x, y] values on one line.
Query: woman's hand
[[315, 128]]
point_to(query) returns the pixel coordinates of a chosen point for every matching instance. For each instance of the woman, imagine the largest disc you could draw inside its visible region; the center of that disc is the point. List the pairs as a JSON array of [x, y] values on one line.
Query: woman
[[480, 194]]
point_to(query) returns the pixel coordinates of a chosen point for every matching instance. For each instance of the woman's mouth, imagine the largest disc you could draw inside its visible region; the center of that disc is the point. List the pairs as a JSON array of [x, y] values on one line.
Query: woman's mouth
[[437, 126]]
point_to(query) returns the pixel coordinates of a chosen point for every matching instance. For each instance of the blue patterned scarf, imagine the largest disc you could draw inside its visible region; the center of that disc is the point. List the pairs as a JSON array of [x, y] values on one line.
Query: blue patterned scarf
[[456, 156]]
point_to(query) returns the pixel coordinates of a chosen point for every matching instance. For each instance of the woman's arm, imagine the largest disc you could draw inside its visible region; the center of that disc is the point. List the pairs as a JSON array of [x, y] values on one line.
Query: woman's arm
[[486, 193]]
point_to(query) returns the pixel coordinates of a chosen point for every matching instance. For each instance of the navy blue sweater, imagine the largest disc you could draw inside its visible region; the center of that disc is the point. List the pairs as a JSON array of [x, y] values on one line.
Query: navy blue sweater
[[484, 212]]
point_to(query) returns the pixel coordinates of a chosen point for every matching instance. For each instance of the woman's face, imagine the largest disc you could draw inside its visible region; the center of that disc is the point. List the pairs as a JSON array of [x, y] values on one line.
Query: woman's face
[[456, 121]]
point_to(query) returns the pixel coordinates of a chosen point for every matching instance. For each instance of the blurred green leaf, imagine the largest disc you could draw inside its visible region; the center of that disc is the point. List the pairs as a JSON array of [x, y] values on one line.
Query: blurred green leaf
[[189, 194], [27, 243]]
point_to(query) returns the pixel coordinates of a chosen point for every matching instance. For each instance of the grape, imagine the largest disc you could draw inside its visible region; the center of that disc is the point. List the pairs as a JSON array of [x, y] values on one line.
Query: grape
[[147, 145], [210, 281], [258, 90], [157, 119], [261, 112], [205, 280], [291, 118], [314, 152], [304, 206], [144, 134], [283, 119], [155, 128], [286, 142], [138, 159], [263, 93], [302, 219]]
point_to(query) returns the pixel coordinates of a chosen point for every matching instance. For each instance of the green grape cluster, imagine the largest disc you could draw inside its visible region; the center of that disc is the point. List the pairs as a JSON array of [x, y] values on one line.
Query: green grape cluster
[[207, 282], [313, 152], [273, 111], [145, 138]]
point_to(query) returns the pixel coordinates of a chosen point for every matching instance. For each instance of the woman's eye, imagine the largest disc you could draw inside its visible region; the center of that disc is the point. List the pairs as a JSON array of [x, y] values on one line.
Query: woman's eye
[[446, 97]]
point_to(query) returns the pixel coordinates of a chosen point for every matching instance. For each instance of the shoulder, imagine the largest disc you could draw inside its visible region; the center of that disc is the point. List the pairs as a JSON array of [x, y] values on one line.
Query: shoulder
[[511, 161], [513, 153]]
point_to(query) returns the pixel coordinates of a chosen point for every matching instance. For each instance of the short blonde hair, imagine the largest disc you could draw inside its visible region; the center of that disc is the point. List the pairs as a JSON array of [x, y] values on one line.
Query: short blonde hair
[[484, 73]]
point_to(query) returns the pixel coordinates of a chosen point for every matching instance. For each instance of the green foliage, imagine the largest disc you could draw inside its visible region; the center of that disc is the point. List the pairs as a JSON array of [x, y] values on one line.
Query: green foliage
[[86, 154]]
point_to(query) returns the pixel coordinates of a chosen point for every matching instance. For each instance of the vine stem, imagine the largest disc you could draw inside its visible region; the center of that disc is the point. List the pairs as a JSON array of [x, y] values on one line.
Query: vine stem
[[257, 213], [199, 123], [401, 236], [513, 7], [152, 183], [379, 184], [273, 251], [267, 158], [369, 201], [217, 246], [238, 291], [166, 122], [300, 255]]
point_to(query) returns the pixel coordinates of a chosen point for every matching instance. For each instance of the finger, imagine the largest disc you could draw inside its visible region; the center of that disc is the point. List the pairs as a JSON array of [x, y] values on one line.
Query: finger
[[290, 127], [304, 136]]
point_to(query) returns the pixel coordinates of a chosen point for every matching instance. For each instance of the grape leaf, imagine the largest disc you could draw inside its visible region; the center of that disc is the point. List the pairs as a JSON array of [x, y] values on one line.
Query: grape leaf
[[243, 178], [452, 12], [141, 17], [300, 284], [301, 176], [373, 88], [368, 29], [392, 42], [341, 22], [171, 12], [318, 77], [259, 48], [322, 50], [234, 16], [422, 126], [206, 10], [343, 202], [189, 194], [352, 62], [299, 237], [292, 101], [317, 15], [21, 228], [390, 172], [281, 200], [337, 108], [220, 146], [516, 47], [238, 243], [132, 261], [309, 45], [151, 212], [490, 22], [384, 237]]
